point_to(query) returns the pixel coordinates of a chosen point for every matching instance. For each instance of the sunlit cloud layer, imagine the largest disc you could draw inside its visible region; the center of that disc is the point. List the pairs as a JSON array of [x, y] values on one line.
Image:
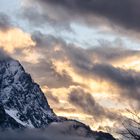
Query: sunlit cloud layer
[[88, 82], [15, 39]]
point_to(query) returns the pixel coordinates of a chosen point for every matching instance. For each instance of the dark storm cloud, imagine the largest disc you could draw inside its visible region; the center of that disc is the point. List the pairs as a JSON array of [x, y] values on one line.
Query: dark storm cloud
[[87, 103], [5, 23], [125, 13]]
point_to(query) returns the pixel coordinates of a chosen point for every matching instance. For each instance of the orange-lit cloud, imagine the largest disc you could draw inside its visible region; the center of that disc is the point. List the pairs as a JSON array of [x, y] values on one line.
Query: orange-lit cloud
[[15, 38], [19, 44], [60, 67]]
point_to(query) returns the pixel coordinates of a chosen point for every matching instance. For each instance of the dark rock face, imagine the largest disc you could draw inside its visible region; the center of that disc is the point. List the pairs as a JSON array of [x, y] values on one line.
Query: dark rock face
[[23, 104]]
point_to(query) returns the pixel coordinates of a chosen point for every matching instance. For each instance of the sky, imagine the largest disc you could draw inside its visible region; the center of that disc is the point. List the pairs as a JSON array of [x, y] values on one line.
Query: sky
[[84, 54]]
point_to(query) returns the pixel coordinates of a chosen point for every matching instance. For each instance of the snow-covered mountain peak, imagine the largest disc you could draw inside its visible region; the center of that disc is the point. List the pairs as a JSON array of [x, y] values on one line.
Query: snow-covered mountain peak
[[21, 97]]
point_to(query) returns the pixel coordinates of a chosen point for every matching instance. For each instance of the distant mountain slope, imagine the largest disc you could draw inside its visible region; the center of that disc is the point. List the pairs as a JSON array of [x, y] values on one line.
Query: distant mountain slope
[[24, 105]]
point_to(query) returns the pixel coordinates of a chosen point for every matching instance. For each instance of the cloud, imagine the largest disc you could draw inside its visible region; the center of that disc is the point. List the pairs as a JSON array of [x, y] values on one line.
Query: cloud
[[48, 75], [53, 132], [50, 50], [127, 80], [57, 66], [9, 42], [108, 53], [87, 103], [121, 13], [42, 19], [51, 97], [5, 22]]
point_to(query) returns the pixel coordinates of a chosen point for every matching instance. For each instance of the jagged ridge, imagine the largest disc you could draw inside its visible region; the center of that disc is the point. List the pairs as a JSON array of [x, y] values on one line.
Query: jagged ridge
[[22, 98]]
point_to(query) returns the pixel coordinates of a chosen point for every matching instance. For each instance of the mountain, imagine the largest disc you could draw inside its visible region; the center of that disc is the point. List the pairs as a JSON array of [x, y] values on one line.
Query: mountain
[[24, 105], [23, 99]]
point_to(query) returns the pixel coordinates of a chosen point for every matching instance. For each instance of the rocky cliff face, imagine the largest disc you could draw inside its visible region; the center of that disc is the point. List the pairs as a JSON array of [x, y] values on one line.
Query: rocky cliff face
[[23, 104], [7, 121]]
